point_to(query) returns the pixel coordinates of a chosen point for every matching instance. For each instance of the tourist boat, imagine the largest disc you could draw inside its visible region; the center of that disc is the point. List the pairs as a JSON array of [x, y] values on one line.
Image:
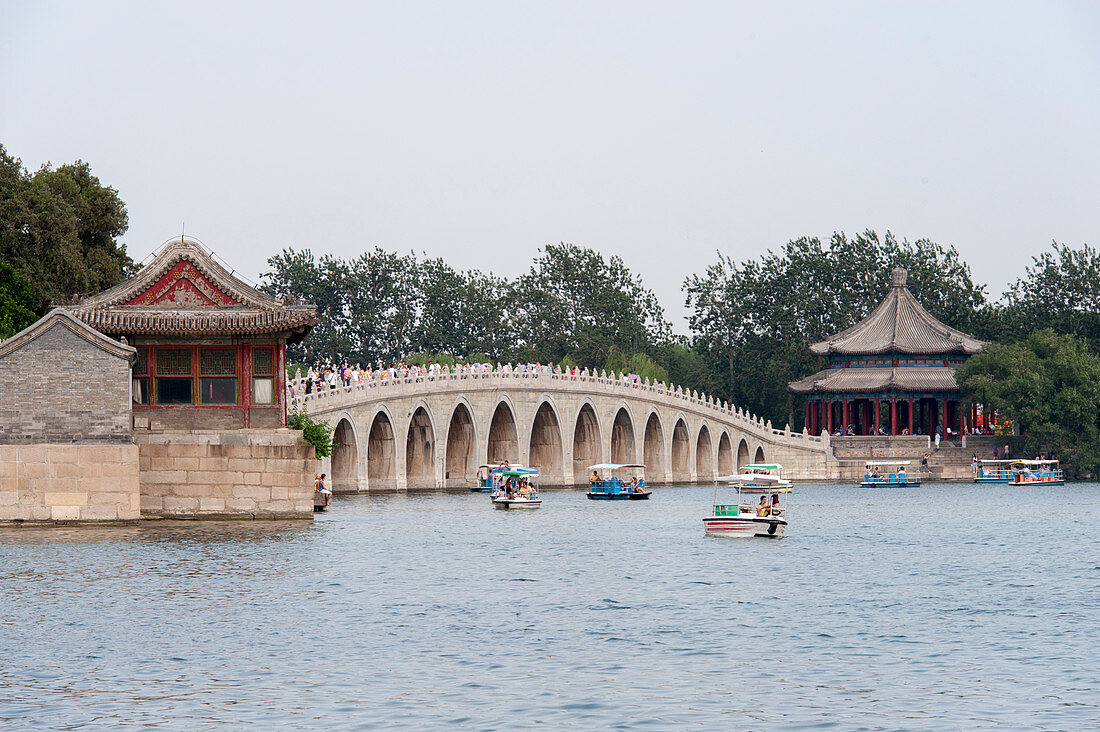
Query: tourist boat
[[744, 518], [621, 482], [517, 489], [1036, 472], [994, 471], [892, 476]]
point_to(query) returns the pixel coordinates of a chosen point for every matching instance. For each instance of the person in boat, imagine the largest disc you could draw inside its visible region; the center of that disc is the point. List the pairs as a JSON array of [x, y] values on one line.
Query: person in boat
[[901, 474], [776, 508], [595, 478], [762, 508], [508, 490]]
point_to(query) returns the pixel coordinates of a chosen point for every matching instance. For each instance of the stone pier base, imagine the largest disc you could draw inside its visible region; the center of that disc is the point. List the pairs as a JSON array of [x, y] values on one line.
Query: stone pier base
[[235, 475], [84, 482]]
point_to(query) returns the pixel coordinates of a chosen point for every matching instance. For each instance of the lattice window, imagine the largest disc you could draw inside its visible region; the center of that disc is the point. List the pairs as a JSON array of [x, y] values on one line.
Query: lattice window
[[141, 365], [173, 362], [218, 362], [263, 362]]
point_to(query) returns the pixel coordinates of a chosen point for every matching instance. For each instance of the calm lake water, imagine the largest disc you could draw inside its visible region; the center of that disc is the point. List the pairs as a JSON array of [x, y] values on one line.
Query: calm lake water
[[945, 607]]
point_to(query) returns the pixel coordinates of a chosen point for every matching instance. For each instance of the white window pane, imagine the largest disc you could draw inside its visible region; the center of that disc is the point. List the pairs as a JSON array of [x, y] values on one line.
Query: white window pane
[[263, 391]]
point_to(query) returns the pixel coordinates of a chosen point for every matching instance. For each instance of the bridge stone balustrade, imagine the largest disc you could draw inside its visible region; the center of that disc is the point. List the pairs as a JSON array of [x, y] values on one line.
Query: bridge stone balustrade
[[431, 432]]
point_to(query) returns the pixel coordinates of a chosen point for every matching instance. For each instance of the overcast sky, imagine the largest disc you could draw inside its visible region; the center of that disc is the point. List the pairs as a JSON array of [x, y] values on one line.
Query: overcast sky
[[479, 132]]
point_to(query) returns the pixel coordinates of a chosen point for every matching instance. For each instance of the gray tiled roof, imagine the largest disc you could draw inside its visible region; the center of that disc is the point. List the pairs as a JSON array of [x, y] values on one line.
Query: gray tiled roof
[[250, 311], [899, 324], [900, 378]]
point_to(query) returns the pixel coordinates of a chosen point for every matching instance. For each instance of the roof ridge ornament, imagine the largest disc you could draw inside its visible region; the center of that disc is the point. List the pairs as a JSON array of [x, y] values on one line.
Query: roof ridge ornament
[[898, 275]]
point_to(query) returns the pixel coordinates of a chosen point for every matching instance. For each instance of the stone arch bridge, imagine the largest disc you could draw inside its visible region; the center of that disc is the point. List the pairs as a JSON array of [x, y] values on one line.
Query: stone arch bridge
[[431, 432]]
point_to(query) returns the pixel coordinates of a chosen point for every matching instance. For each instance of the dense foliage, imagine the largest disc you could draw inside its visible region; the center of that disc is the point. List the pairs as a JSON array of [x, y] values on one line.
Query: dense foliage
[[1049, 385], [318, 434], [59, 229], [574, 305], [17, 301]]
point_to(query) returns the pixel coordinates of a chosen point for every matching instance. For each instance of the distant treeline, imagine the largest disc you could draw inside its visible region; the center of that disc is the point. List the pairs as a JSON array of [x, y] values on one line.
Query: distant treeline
[[751, 322]]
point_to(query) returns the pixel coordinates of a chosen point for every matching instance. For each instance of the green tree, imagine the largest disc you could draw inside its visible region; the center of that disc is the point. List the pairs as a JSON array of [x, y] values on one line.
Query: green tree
[[1049, 385], [575, 301], [59, 228], [1059, 290], [17, 301]]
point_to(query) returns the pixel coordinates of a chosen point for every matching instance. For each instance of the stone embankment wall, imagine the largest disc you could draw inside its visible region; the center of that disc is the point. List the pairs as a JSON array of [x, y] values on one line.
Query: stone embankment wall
[[40, 483], [213, 474]]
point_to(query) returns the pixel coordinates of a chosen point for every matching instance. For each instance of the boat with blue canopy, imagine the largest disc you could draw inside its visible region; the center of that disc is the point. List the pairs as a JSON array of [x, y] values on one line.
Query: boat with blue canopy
[[618, 482], [888, 474], [994, 471]]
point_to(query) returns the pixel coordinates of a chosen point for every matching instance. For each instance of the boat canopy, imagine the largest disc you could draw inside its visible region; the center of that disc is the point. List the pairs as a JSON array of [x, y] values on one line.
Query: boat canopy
[[887, 462], [762, 466], [1033, 462], [997, 462], [521, 472], [614, 466], [775, 480]]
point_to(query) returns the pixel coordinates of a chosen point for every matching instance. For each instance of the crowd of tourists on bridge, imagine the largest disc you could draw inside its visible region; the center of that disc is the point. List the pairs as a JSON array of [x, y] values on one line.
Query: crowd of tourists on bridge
[[332, 376]]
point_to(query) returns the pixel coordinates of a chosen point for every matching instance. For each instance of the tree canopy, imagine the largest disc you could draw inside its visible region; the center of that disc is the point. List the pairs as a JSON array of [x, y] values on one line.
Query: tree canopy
[[17, 301], [382, 307], [1048, 384], [59, 228]]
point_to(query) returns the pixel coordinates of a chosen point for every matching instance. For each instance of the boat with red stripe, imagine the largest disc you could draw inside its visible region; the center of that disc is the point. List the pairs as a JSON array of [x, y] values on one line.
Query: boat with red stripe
[[744, 518]]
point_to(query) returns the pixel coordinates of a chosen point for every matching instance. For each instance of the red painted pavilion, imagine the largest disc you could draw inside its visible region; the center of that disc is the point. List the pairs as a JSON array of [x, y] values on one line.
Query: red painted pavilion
[[210, 348], [891, 373]]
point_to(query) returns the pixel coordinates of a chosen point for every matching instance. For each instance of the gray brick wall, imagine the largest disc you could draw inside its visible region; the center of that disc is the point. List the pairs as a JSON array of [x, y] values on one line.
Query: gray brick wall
[[60, 387]]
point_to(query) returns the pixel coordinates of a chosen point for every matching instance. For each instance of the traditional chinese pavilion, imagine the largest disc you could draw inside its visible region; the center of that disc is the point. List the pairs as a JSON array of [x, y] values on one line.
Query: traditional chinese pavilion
[[210, 348], [891, 373]]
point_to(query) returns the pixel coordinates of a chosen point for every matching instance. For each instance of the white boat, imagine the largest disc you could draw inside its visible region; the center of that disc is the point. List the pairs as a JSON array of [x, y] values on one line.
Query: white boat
[[744, 517], [517, 489]]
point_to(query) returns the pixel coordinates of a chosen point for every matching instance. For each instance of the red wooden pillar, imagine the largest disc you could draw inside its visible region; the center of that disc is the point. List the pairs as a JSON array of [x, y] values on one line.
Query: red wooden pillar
[[829, 415], [910, 416], [893, 416], [943, 417], [845, 416], [878, 411]]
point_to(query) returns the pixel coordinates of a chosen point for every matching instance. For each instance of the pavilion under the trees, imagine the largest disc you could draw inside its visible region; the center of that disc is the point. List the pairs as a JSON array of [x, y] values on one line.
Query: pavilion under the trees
[[891, 373]]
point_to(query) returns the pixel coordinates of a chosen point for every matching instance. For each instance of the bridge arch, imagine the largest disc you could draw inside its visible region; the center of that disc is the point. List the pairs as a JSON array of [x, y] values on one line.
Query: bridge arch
[[653, 449], [622, 437], [546, 451], [503, 435], [704, 454], [725, 454], [345, 457], [742, 453], [681, 451], [586, 441], [420, 450], [381, 453], [760, 457], [460, 455]]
